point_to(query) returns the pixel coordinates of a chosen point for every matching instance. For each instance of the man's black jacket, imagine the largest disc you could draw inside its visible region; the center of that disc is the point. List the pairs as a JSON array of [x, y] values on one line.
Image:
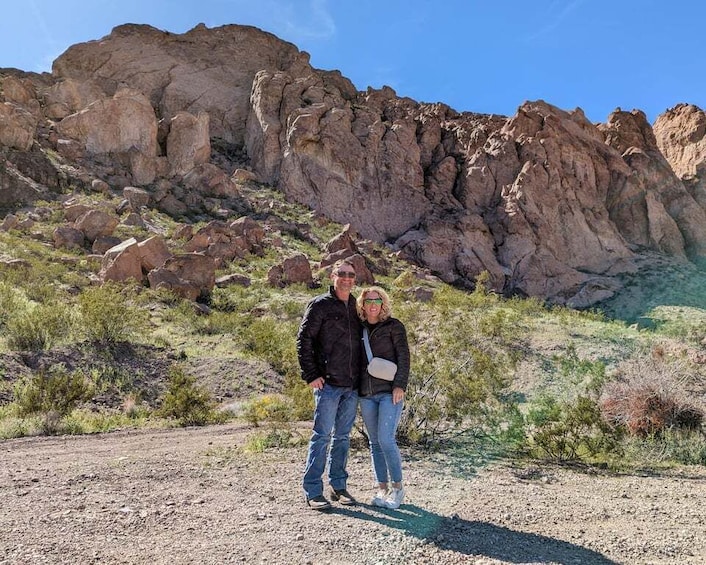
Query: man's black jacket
[[329, 341]]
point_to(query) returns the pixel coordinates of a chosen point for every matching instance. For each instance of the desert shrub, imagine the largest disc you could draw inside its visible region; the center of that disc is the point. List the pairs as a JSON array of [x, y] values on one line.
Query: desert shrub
[[647, 399], [273, 341], [671, 446], [272, 438], [187, 402], [10, 302], [268, 408], [38, 327], [568, 430], [107, 317], [54, 391], [450, 394], [579, 373]]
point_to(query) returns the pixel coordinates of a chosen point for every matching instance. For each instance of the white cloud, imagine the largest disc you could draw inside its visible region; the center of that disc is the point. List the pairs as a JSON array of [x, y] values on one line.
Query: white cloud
[[556, 14]]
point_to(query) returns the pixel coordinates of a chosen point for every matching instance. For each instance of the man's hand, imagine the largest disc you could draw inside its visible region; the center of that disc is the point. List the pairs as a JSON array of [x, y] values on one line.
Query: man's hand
[[317, 384]]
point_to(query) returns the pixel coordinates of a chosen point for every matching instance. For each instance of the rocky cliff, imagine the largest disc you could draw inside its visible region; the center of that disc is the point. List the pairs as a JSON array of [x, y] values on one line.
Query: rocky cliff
[[548, 203]]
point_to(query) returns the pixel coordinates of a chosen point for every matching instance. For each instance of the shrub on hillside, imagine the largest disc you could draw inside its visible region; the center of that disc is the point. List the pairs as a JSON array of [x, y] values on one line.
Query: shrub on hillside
[[568, 430], [107, 317], [54, 393], [38, 327], [186, 401], [648, 399], [274, 408]]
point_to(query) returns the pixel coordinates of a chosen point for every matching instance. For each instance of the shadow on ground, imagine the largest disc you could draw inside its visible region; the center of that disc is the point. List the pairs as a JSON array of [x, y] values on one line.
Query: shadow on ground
[[477, 538]]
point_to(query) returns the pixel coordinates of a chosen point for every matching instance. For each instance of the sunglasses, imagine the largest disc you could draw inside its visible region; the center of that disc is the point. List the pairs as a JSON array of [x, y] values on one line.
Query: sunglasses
[[377, 301], [345, 274]]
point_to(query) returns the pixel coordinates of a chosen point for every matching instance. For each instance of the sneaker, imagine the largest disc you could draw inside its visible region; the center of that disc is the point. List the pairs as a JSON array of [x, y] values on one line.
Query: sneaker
[[343, 496], [379, 498], [394, 498], [318, 503]]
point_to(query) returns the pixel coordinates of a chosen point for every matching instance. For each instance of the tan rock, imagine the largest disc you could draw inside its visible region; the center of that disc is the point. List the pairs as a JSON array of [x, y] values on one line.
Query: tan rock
[[122, 263], [208, 70], [188, 142], [17, 126], [96, 223], [189, 275], [153, 253], [292, 270], [70, 96], [68, 238]]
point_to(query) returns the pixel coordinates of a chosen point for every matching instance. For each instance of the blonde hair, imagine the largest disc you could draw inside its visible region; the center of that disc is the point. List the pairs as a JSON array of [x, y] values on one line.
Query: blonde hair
[[385, 309]]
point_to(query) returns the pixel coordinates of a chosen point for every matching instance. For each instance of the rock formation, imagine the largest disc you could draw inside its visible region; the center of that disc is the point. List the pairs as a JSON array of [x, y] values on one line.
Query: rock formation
[[549, 204]]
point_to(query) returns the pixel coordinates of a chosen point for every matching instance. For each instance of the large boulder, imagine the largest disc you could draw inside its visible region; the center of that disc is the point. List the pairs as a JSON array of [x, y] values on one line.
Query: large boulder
[[188, 142], [189, 275], [209, 70]]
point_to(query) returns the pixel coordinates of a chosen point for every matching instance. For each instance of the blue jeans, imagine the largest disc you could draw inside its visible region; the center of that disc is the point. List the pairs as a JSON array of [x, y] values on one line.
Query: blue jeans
[[334, 414], [381, 418]]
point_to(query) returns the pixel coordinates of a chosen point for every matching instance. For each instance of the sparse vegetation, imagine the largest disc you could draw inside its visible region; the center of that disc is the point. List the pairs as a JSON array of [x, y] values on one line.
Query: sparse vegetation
[[514, 376]]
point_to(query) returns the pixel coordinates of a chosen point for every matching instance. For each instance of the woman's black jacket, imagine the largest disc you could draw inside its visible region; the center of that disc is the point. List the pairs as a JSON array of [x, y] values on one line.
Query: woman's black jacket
[[329, 341], [388, 339]]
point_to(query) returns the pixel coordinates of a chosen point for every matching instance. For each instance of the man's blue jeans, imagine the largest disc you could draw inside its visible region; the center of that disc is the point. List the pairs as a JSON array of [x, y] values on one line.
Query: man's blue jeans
[[334, 414], [381, 418]]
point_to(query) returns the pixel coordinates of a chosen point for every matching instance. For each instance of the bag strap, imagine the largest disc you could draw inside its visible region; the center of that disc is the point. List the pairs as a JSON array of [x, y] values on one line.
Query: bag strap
[[366, 343]]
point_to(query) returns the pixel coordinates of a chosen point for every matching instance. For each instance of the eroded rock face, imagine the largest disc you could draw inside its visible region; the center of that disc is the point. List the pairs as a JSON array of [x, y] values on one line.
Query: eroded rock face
[[548, 203], [209, 70]]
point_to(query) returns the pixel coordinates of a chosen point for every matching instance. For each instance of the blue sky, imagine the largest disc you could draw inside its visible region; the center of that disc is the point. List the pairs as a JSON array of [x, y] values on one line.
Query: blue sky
[[486, 56]]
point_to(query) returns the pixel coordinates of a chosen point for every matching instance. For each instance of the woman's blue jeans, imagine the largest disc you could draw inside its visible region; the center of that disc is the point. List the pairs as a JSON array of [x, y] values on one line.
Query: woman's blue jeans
[[334, 414], [381, 418]]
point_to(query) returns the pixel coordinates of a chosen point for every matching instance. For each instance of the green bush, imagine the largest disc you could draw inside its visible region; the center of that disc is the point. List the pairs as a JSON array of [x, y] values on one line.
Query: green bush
[[187, 402], [273, 341], [54, 390], [568, 431], [107, 317], [39, 327], [272, 438], [268, 407]]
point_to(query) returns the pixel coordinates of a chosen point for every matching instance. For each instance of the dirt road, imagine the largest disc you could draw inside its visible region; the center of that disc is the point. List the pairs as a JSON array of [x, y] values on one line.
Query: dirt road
[[192, 496]]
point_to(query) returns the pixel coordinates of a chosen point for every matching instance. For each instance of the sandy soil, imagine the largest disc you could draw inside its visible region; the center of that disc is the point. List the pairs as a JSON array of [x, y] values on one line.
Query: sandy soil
[[193, 496]]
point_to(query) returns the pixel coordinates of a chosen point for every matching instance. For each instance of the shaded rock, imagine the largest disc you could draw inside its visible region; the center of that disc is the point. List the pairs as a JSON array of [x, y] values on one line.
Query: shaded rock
[[68, 238], [231, 279], [294, 269], [343, 241], [104, 243], [188, 142], [17, 126], [69, 96], [189, 275], [153, 253], [136, 197], [96, 223]]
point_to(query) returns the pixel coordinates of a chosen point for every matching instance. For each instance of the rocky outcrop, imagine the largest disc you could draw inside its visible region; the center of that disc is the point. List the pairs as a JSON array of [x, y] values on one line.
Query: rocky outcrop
[[202, 70], [546, 202]]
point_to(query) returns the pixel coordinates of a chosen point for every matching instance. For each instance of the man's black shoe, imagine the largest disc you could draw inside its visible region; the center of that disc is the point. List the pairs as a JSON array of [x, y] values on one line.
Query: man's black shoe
[[343, 497], [318, 503]]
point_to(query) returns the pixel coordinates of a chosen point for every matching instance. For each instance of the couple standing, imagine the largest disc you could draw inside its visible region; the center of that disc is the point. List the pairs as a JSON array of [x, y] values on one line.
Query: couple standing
[[330, 350]]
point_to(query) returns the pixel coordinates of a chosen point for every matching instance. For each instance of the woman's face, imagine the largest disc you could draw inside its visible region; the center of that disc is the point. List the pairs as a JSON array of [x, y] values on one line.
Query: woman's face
[[372, 305]]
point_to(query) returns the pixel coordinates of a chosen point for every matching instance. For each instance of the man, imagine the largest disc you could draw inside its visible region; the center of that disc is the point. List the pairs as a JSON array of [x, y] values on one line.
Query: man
[[328, 346]]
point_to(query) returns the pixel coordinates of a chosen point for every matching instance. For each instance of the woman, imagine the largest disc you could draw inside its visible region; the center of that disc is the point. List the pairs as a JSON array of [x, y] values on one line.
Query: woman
[[381, 401]]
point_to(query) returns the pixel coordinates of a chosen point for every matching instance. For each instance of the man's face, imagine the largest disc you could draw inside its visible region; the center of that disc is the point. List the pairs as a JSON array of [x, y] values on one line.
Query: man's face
[[343, 278]]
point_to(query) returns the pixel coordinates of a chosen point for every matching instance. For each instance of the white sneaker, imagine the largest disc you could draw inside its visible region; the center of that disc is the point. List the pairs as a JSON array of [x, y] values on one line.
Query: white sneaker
[[394, 498], [380, 498]]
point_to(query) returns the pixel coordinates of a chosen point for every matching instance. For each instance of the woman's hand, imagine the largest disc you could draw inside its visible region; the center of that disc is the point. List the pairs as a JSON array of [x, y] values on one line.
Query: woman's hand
[[397, 395]]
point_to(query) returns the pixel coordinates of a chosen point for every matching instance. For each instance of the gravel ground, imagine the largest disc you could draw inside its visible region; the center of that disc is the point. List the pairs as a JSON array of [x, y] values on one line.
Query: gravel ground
[[193, 496]]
